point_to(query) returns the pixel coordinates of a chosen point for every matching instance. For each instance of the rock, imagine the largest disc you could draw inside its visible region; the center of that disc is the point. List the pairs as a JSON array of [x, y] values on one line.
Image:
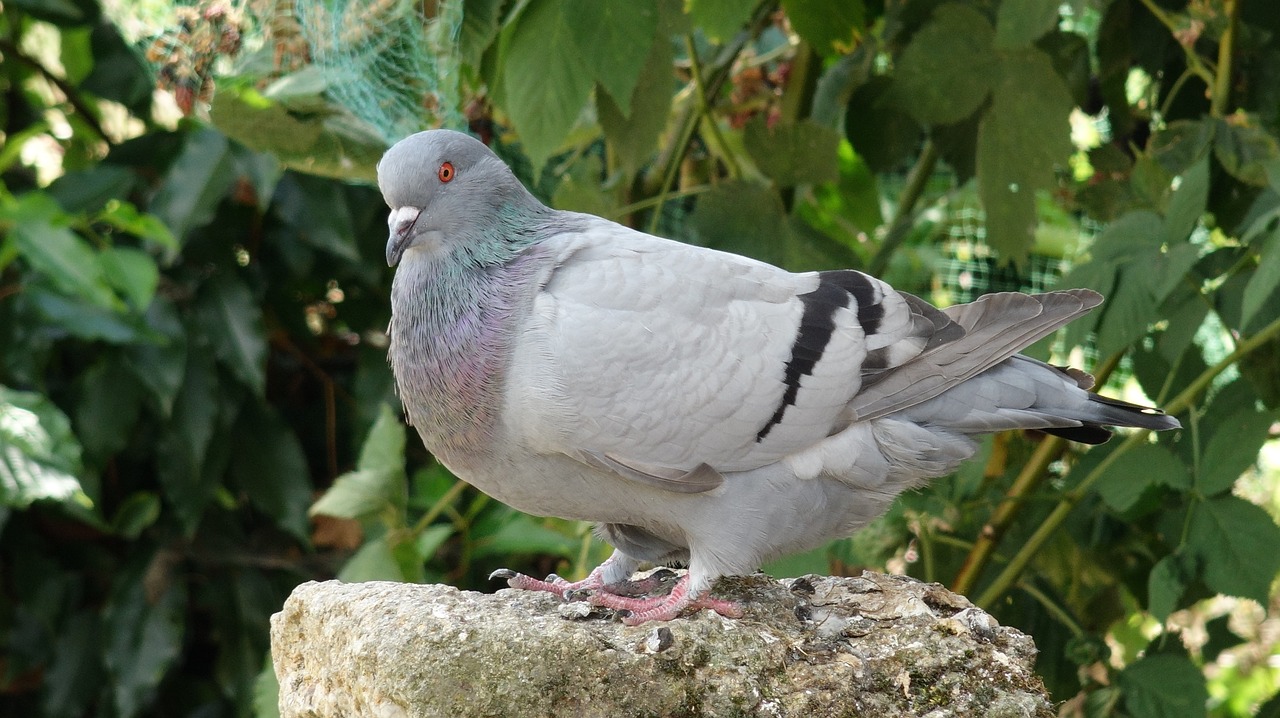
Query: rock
[[871, 645]]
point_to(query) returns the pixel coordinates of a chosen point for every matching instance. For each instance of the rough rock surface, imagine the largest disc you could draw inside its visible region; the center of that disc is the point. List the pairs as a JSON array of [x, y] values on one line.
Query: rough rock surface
[[872, 645]]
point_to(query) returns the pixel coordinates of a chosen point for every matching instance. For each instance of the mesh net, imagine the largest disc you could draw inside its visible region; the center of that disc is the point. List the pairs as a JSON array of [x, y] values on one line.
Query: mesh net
[[387, 64]]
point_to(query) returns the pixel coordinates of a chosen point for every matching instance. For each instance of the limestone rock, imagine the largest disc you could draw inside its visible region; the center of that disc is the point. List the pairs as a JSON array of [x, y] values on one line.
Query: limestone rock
[[871, 645]]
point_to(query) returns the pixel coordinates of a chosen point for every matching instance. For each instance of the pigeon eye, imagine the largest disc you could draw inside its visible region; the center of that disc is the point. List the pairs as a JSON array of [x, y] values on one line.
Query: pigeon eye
[[446, 172]]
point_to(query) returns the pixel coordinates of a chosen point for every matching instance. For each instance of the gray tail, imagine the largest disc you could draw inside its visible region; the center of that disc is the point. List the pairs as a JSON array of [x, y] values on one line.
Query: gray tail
[[1114, 412]]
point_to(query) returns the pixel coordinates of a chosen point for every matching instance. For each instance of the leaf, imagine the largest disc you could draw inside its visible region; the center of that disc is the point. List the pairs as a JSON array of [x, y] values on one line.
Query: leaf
[[1165, 585], [524, 535], [105, 415], [160, 367], [946, 72], [131, 272], [271, 468], [634, 135], [1164, 686], [1235, 542], [266, 692], [719, 20], [56, 252], [800, 153], [196, 182], [1019, 24], [1020, 140], [481, 20], [1245, 151], [135, 514], [1187, 203], [228, 315], [143, 639], [882, 134], [89, 189], [76, 674], [605, 33], [1134, 471], [378, 484], [126, 218], [1233, 448], [579, 188], [546, 79], [183, 445], [373, 562], [39, 455], [830, 28], [1266, 278], [431, 539]]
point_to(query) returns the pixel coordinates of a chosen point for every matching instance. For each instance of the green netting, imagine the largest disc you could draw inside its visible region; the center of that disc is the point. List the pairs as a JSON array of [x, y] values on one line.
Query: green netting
[[386, 63]]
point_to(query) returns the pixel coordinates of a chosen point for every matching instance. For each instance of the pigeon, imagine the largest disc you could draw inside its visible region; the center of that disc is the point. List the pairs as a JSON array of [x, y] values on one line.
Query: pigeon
[[702, 408]]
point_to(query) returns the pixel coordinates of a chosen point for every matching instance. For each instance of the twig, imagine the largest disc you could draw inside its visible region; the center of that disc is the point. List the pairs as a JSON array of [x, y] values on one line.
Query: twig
[[1221, 88], [7, 47], [900, 225]]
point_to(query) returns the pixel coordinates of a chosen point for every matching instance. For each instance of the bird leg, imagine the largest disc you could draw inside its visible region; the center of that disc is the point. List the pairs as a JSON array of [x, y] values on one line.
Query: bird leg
[[613, 572], [665, 608]]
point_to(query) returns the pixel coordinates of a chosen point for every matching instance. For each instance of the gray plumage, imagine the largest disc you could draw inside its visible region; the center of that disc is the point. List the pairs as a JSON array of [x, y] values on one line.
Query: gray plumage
[[700, 406]]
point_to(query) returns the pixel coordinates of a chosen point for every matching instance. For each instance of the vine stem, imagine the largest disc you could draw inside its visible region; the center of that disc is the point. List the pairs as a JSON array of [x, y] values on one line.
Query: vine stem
[[1010, 575], [73, 96], [900, 226], [1221, 88]]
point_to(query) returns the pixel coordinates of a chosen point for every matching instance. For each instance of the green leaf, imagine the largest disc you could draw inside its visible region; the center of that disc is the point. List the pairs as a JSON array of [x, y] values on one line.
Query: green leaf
[[605, 32], [271, 469], [1134, 471], [1235, 542], [135, 514], [76, 674], [1020, 140], [1245, 151], [719, 20], [90, 189], [750, 219], [1233, 448], [144, 638], [1164, 686], [633, 136], [800, 153], [160, 367], [110, 400], [126, 218], [1187, 203], [882, 134], [579, 188], [1265, 281], [183, 446], [39, 455], [196, 182], [524, 535], [373, 562], [266, 692], [946, 72], [229, 316], [326, 140], [1019, 24], [1165, 585], [481, 20], [378, 484], [384, 447], [431, 539], [358, 494], [56, 252], [131, 272], [830, 28], [546, 79]]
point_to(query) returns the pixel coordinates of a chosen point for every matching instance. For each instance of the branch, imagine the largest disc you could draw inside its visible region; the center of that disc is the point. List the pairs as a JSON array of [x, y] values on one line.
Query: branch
[[82, 109], [1221, 87], [901, 224]]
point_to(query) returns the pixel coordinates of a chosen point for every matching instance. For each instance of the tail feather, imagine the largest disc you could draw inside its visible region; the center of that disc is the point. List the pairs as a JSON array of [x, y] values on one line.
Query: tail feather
[[1114, 412]]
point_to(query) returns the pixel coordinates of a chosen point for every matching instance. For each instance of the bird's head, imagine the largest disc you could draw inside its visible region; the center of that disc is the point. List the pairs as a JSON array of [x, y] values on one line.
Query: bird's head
[[445, 188]]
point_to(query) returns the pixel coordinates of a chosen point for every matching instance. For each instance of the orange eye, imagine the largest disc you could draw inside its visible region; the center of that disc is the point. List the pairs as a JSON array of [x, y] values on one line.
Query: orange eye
[[446, 172]]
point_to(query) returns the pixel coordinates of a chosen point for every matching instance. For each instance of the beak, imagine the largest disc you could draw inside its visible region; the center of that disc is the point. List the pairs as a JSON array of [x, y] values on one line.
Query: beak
[[400, 225]]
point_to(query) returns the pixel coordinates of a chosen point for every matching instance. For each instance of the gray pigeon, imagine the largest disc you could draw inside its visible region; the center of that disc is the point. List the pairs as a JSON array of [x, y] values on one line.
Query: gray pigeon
[[701, 407]]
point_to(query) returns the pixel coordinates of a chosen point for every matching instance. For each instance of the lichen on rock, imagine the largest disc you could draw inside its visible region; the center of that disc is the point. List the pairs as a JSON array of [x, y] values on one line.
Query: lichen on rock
[[871, 645]]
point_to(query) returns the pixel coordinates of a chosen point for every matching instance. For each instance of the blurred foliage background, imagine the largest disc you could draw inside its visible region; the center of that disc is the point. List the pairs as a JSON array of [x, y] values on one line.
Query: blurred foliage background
[[195, 408]]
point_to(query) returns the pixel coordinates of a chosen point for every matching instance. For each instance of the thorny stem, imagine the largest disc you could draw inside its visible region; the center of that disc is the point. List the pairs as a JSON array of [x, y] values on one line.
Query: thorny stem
[[704, 107], [1009, 576], [1195, 63], [439, 506], [1027, 482]]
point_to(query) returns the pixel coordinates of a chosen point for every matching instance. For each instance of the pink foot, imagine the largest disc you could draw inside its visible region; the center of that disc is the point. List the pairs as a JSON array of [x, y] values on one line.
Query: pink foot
[[665, 608], [553, 583]]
